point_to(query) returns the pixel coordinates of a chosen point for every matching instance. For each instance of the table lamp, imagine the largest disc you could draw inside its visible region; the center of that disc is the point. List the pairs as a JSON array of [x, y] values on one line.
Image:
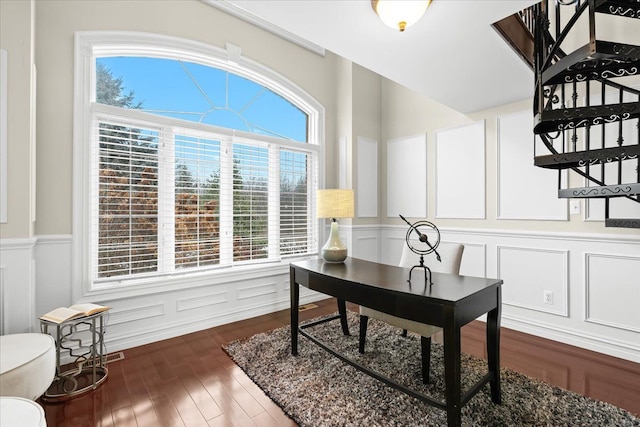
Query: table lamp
[[334, 204]]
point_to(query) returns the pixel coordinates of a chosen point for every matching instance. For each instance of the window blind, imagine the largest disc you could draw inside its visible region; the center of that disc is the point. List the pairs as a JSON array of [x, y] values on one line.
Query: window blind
[[172, 198], [127, 217], [197, 201], [251, 186], [295, 221]]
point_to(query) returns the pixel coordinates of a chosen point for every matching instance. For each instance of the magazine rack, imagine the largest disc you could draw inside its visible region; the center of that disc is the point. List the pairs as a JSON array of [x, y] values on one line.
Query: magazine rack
[[83, 339]]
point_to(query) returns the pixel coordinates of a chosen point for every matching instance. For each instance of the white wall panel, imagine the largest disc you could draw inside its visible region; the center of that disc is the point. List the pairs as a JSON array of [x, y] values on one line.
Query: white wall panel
[[3, 136], [256, 290], [460, 172], [134, 313], [529, 272], [391, 248], [366, 247], [407, 177], [202, 300], [612, 290], [528, 262], [3, 300], [342, 162], [18, 285], [53, 253], [524, 190], [474, 259], [367, 178]]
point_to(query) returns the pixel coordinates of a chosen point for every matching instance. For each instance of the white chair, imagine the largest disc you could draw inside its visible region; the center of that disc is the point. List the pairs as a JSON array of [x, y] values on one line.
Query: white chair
[[21, 412], [451, 255], [27, 364]]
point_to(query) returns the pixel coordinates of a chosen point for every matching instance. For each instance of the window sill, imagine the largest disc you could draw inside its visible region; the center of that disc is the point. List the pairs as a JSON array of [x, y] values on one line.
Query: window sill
[[187, 280]]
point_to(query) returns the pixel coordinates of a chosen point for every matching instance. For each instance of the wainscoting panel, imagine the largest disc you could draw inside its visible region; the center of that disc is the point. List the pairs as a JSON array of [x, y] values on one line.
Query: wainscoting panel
[[474, 259], [200, 301], [138, 316], [119, 316], [391, 248], [256, 290], [612, 300], [529, 273], [53, 253], [585, 272], [366, 247], [18, 286], [531, 262], [3, 300]]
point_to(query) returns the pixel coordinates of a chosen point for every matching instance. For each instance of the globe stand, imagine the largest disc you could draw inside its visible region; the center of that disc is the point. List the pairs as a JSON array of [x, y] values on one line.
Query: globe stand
[[427, 272], [423, 246]]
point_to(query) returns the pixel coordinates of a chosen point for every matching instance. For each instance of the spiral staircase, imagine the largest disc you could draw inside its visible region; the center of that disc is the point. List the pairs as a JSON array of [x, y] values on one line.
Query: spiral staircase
[[587, 98]]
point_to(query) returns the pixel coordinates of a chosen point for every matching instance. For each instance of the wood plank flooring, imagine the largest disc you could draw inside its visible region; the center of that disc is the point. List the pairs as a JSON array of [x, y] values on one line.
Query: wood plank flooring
[[190, 380]]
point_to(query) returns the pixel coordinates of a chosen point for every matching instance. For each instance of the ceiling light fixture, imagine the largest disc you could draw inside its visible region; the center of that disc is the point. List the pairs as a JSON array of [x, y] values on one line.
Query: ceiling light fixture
[[400, 14]]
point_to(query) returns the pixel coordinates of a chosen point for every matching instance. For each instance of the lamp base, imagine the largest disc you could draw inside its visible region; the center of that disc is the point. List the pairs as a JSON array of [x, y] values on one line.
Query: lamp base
[[334, 250], [334, 255]]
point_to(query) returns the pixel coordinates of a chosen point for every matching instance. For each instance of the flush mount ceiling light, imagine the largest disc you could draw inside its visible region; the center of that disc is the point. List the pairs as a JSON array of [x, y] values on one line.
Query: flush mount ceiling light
[[400, 14]]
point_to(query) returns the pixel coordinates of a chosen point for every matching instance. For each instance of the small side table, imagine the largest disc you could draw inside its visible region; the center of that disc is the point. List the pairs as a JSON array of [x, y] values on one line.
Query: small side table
[[83, 338]]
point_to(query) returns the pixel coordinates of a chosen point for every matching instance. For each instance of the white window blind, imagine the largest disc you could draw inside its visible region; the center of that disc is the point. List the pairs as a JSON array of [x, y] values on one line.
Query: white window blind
[[171, 198], [251, 208], [197, 201], [295, 219], [127, 211]]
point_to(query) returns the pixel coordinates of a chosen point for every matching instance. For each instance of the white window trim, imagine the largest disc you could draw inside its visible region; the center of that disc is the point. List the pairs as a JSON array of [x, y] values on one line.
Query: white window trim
[[88, 45]]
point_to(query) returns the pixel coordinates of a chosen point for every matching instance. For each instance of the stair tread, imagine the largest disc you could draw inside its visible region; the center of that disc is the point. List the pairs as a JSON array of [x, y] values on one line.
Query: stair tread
[[603, 59], [627, 8], [622, 222], [571, 118], [600, 192], [582, 158]]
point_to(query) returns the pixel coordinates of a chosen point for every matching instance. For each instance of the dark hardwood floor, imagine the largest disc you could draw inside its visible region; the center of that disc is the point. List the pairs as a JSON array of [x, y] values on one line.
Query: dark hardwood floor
[[190, 380]]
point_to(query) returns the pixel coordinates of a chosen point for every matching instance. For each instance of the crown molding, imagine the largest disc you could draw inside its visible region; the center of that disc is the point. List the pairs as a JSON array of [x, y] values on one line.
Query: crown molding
[[238, 12]]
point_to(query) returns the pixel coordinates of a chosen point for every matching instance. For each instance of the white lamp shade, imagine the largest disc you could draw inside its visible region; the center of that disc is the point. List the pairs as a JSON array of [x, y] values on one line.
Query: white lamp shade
[[400, 14], [335, 203]]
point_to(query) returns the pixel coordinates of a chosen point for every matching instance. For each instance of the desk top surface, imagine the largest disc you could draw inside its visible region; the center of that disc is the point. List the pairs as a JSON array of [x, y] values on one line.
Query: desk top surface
[[446, 287]]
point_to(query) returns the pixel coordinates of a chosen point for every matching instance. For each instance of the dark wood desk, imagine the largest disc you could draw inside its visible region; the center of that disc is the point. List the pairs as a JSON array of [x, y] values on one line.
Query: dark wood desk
[[450, 303]]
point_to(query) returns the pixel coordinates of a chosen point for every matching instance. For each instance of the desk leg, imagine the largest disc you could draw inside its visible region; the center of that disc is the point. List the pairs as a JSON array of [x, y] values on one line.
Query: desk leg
[[453, 389], [342, 310], [295, 302], [493, 348]]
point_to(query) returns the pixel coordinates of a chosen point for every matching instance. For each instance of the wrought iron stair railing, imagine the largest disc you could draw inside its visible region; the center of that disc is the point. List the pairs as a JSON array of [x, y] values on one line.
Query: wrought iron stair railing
[[586, 112]]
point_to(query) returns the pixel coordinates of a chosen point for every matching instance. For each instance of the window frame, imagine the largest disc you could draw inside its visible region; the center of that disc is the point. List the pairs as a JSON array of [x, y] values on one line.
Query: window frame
[[92, 44]]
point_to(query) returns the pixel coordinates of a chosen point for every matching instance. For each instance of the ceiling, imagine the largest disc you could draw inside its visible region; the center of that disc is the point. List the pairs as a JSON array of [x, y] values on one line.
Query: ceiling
[[452, 55]]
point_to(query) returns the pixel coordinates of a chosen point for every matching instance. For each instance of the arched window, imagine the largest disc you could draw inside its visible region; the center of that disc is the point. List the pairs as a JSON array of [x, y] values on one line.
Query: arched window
[[194, 162]]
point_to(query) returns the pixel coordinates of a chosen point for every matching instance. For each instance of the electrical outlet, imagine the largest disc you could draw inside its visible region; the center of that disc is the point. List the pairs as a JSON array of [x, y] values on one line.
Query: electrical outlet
[[547, 297], [575, 207]]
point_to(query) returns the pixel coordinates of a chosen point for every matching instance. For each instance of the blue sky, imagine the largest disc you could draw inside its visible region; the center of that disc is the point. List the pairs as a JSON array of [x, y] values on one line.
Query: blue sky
[[199, 93]]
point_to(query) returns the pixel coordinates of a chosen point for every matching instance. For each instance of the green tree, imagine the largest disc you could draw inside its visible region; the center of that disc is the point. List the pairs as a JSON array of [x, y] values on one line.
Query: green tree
[[109, 89], [185, 182]]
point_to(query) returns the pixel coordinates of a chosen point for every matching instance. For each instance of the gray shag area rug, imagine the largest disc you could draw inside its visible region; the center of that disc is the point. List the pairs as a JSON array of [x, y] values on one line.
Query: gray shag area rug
[[317, 389]]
